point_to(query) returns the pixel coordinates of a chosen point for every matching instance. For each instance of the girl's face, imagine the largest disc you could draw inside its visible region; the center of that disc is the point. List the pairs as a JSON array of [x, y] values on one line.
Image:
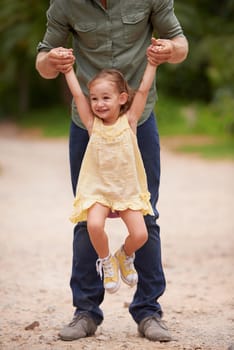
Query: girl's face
[[106, 100]]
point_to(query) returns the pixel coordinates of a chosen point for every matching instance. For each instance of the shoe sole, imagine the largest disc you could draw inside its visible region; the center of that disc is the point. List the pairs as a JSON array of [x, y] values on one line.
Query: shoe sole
[[75, 338], [128, 283], [112, 291]]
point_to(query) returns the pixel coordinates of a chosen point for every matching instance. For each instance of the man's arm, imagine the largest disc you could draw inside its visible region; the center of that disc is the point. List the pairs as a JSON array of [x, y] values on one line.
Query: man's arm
[[179, 51], [50, 64], [173, 50]]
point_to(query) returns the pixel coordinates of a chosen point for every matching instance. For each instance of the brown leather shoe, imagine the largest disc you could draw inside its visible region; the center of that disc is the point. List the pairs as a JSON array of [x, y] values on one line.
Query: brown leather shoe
[[153, 328], [81, 326]]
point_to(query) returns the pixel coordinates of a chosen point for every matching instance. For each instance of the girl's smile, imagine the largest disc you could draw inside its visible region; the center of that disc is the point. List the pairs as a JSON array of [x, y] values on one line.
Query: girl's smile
[[105, 101]]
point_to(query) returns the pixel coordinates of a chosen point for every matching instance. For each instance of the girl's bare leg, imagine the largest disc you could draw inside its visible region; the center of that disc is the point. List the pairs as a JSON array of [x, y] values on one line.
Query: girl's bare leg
[[97, 215], [107, 263], [137, 231]]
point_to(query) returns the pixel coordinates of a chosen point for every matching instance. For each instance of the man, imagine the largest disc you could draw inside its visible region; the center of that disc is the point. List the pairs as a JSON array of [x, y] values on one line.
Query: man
[[114, 34]]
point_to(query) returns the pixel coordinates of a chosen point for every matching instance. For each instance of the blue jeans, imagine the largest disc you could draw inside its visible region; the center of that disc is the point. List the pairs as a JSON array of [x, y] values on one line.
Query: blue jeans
[[87, 287]]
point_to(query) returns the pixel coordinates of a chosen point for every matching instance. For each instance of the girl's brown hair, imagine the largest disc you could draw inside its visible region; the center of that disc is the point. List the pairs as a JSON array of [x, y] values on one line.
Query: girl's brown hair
[[117, 78]]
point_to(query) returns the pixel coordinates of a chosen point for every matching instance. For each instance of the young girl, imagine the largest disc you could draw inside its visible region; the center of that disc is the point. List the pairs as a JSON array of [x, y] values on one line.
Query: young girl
[[112, 177]]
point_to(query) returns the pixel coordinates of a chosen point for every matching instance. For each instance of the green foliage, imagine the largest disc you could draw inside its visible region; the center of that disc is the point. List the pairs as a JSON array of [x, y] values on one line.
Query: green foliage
[[51, 122], [180, 118], [210, 63], [21, 24], [221, 149], [170, 117]]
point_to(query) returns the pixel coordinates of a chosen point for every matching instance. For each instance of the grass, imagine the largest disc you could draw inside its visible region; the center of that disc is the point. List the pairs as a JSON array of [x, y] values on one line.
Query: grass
[[52, 122], [219, 149], [180, 118], [175, 118]]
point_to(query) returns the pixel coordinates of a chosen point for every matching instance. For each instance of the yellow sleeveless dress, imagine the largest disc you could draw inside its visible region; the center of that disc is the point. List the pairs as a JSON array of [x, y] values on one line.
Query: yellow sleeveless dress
[[112, 172]]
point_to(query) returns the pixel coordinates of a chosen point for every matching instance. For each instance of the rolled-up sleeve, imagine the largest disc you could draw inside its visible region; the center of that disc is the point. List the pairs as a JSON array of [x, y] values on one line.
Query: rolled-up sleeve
[[164, 20], [58, 29]]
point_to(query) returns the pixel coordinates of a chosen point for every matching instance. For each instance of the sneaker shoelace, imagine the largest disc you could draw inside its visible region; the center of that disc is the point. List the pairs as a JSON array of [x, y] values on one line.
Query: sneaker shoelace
[[128, 262], [105, 266]]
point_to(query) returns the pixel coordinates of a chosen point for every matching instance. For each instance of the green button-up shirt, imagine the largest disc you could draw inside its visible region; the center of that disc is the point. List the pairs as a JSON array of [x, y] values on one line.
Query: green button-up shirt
[[116, 37]]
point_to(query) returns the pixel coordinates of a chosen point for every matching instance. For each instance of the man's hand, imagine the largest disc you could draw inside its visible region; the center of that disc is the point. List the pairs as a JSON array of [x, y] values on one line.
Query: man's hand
[[160, 51], [61, 59], [167, 50], [58, 60]]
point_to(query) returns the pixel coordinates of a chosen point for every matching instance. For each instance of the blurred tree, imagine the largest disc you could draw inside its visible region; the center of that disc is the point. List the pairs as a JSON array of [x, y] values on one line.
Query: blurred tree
[[22, 25], [19, 29], [208, 72], [210, 64]]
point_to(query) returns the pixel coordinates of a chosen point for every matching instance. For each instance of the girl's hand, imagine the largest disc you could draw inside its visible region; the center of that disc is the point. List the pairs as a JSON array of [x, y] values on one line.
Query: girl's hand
[[61, 59]]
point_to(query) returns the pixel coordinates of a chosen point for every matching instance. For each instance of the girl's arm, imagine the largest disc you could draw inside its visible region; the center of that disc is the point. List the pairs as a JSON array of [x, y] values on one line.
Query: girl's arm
[[140, 98], [81, 100]]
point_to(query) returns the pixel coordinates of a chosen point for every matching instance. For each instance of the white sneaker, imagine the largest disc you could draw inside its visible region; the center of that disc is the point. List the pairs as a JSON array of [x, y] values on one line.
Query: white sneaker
[[110, 268], [126, 266]]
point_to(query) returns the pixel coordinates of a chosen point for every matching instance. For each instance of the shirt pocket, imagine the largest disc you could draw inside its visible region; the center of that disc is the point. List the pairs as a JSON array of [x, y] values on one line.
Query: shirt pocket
[[87, 34], [134, 25]]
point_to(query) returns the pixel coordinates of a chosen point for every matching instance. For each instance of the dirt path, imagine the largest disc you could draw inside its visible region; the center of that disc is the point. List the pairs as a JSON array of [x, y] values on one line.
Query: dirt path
[[196, 206]]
